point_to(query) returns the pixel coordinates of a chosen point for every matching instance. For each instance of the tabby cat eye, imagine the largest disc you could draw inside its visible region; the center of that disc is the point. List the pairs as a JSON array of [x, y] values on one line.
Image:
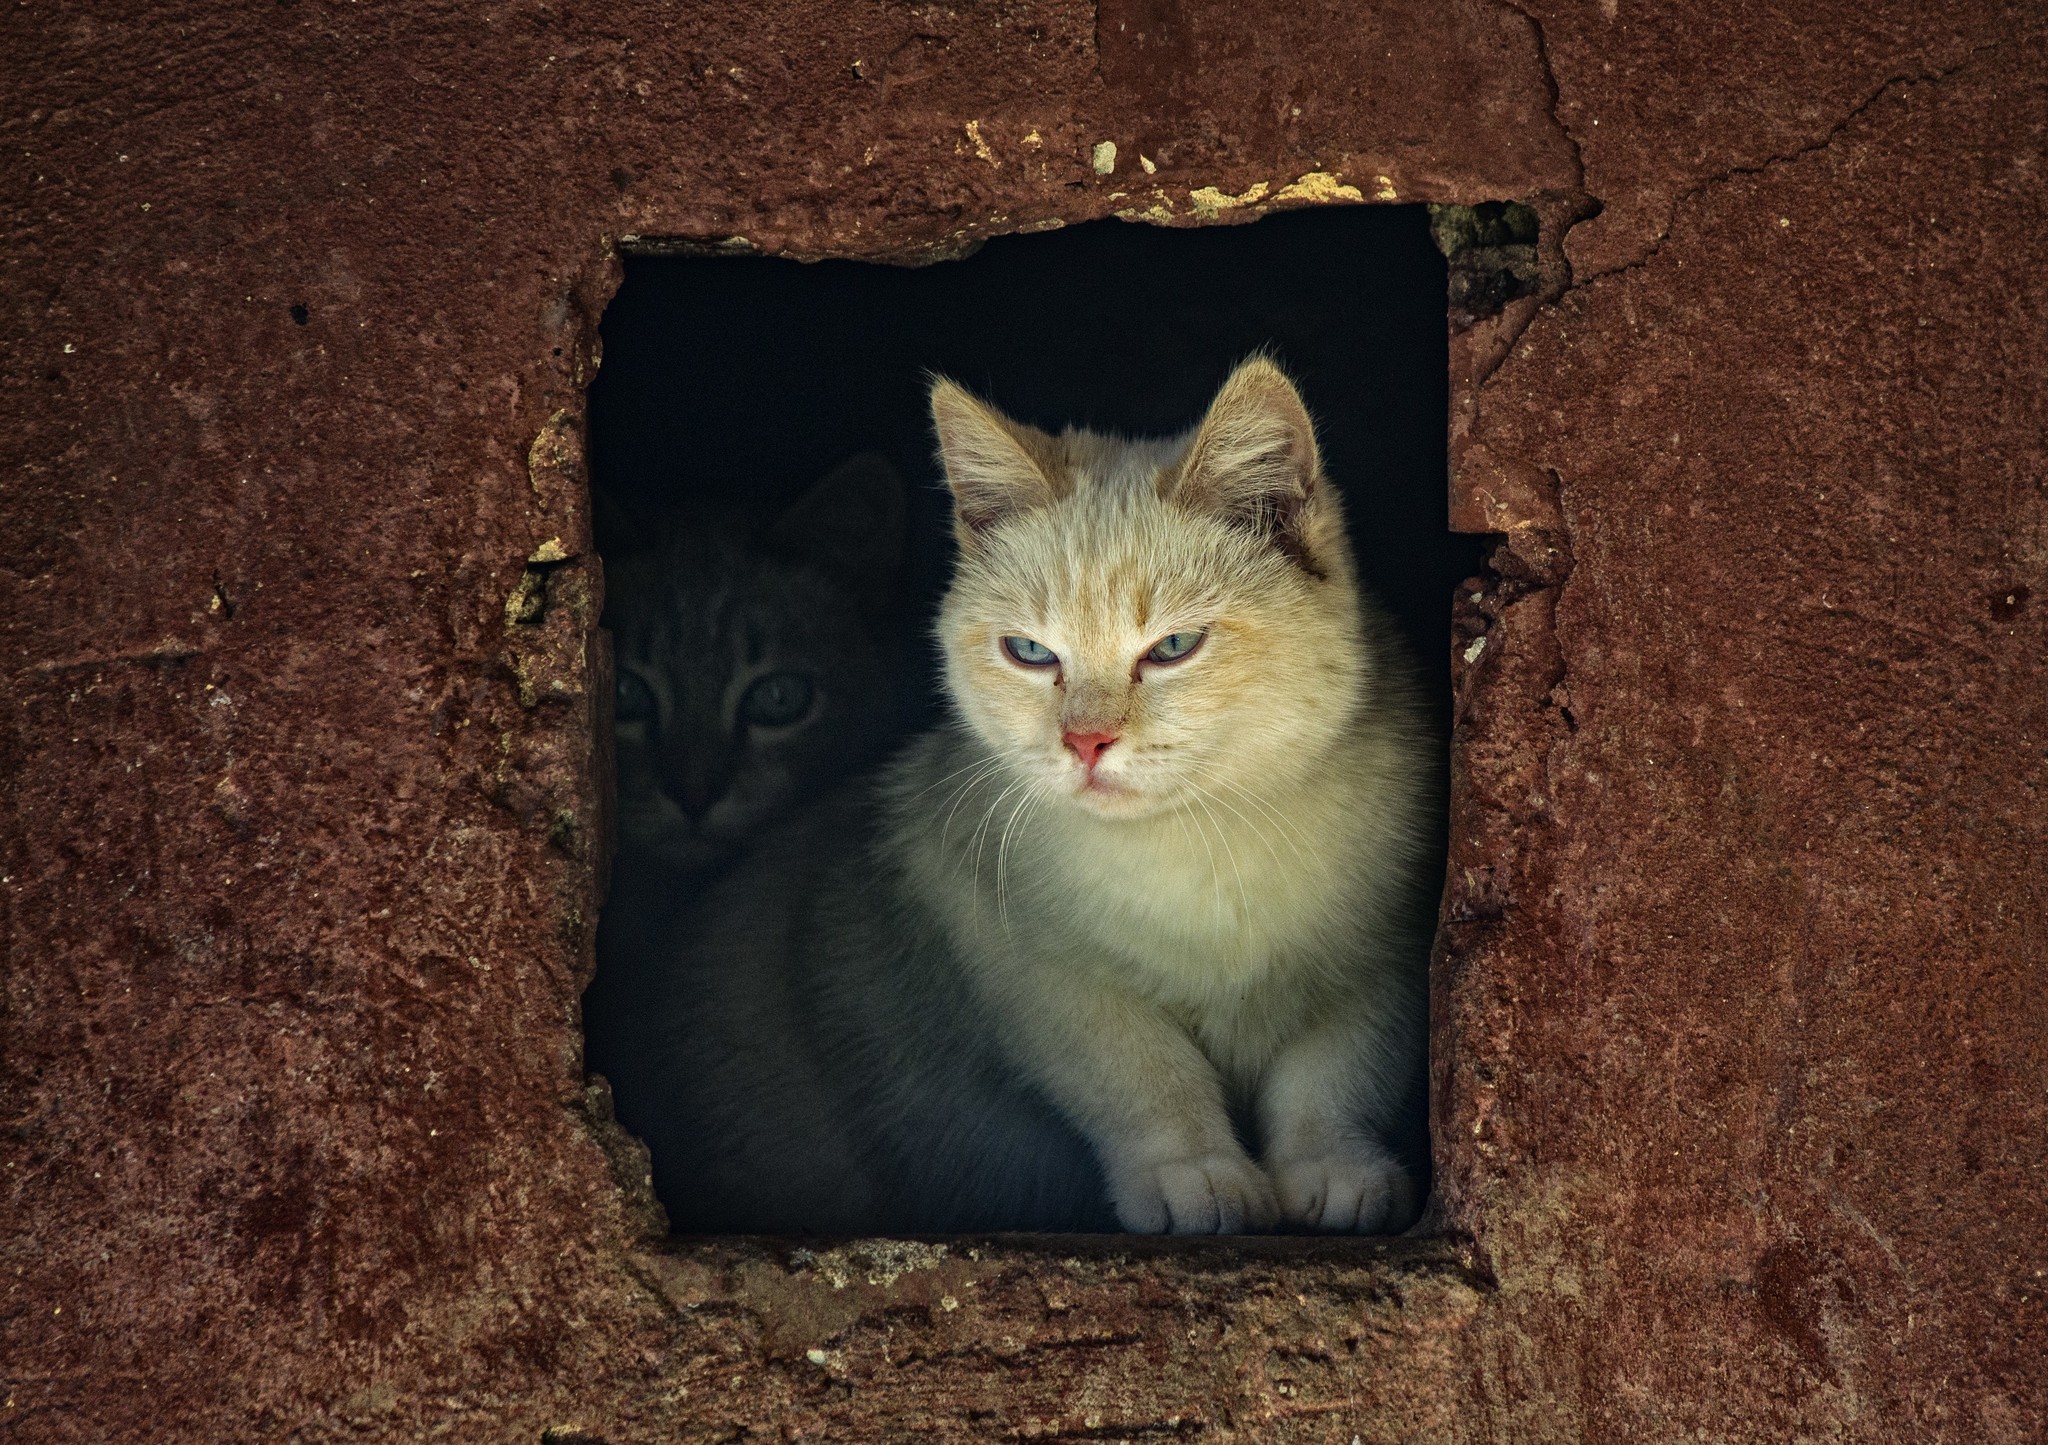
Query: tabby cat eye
[[777, 700], [633, 699], [1176, 648], [1031, 654]]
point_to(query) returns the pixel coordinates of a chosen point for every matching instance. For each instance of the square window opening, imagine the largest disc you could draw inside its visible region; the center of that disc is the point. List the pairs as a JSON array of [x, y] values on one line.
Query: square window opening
[[777, 536]]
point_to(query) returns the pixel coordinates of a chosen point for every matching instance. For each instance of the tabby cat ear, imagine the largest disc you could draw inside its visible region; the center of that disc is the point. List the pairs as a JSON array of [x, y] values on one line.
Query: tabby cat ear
[[850, 524], [1253, 461], [994, 466]]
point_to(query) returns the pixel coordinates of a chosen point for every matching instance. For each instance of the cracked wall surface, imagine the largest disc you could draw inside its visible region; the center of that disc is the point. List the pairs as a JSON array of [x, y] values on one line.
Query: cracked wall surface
[[1661, 101], [1755, 1015], [1737, 1035]]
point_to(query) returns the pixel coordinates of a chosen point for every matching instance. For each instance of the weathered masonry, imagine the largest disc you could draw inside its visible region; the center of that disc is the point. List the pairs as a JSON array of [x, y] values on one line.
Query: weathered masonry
[[1738, 1036]]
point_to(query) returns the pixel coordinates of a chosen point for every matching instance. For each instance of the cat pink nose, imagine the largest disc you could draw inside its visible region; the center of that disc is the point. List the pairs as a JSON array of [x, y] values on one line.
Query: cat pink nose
[[1088, 747]]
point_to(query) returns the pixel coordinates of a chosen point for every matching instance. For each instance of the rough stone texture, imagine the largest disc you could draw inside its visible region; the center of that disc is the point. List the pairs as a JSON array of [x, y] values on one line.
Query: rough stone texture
[[1745, 1027], [1080, 1338], [1738, 1045], [1661, 102]]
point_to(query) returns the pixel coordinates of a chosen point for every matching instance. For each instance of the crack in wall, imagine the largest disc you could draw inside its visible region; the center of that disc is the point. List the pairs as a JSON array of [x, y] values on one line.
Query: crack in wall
[[1895, 84], [1552, 92], [1516, 571], [1475, 906]]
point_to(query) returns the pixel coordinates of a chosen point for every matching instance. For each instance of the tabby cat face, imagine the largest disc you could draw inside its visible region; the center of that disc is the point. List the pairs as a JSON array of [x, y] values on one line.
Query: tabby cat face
[[751, 675], [1137, 624]]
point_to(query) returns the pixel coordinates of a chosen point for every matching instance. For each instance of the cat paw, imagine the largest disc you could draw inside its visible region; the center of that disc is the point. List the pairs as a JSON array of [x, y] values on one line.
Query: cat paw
[[1342, 1194], [1214, 1194]]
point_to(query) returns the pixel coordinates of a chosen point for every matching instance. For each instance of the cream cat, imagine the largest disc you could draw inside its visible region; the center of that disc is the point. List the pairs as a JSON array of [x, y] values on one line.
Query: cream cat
[[1158, 887]]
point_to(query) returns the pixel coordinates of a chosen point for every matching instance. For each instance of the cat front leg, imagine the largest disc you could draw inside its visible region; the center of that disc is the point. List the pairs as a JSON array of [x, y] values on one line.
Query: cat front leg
[[1318, 1105], [1146, 1099]]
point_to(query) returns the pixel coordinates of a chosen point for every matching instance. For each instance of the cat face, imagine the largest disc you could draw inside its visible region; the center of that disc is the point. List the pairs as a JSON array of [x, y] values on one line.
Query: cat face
[[752, 674], [1134, 625]]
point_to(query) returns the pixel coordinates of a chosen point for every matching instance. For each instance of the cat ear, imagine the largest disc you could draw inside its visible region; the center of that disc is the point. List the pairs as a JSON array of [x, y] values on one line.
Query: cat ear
[[1253, 461], [995, 466], [850, 524]]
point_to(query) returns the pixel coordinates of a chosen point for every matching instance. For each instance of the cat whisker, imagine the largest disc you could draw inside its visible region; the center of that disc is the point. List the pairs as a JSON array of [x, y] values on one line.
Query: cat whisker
[[1297, 841], [1032, 797], [1250, 824], [1177, 810], [981, 762], [1223, 836], [1297, 838], [1215, 873], [981, 834], [982, 770]]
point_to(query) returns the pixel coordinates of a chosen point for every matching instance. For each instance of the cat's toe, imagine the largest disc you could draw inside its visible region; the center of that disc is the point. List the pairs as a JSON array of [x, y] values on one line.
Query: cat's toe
[[1215, 1194], [1346, 1195]]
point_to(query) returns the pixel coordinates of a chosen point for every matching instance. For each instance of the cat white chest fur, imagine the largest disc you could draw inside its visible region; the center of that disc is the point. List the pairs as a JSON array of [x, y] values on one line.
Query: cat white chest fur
[[1218, 892]]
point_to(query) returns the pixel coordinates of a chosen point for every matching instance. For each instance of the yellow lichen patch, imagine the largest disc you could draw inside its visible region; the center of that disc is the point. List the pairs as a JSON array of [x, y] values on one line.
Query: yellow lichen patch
[[1383, 188], [1158, 215], [981, 146], [528, 601], [1210, 201], [880, 1261], [1318, 188]]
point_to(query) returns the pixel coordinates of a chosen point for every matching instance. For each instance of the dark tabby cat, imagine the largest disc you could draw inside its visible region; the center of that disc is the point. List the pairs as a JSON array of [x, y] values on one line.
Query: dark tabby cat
[[752, 672]]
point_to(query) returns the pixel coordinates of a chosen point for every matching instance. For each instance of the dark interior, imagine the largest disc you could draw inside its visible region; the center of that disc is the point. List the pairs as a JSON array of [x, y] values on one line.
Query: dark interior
[[737, 381], [729, 384]]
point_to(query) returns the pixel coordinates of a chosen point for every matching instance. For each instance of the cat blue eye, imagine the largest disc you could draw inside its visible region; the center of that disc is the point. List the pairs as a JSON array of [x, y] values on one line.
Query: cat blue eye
[[1031, 654], [632, 699], [777, 700], [1176, 648]]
